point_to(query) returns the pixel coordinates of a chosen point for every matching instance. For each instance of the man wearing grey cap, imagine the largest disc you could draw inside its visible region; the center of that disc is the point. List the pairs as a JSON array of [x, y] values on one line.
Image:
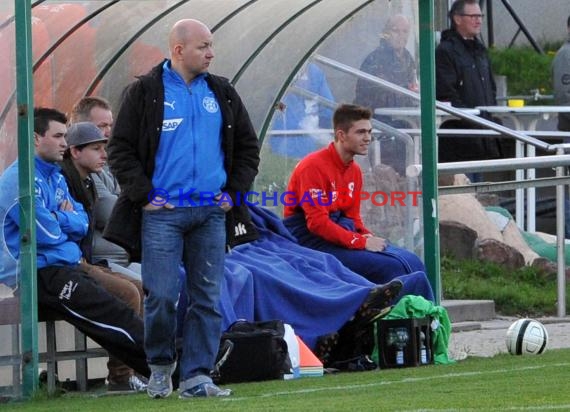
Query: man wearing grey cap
[[85, 155], [98, 110]]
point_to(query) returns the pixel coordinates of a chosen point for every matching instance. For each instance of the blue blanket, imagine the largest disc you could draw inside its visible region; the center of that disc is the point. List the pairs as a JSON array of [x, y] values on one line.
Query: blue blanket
[[378, 267], [310, 290], [276, 278]]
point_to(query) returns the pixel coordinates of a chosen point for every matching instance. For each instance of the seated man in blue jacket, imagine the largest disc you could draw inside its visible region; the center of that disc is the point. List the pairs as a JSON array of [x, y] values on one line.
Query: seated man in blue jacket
[[62, 284]]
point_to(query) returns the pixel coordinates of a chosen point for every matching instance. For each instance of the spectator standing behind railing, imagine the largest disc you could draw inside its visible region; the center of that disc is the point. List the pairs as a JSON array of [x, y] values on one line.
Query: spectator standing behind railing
[[464, 78], [561, 85], [390, 61]]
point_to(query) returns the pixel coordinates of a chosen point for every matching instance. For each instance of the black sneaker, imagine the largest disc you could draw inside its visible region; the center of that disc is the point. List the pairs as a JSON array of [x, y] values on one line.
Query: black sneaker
[[357, 364], [377, 301]]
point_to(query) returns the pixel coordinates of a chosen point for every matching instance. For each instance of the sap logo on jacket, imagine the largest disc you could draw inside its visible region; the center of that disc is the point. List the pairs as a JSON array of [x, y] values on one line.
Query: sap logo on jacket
[[169, 125]]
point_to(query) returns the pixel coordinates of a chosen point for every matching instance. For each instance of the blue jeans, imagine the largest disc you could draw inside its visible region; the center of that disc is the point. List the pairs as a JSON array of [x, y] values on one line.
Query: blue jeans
[[195, 236]]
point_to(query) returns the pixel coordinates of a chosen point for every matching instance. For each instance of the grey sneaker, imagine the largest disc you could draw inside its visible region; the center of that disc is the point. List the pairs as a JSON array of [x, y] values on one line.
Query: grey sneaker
[[160, 382], [205, 390], [133, 384], [138, 384]]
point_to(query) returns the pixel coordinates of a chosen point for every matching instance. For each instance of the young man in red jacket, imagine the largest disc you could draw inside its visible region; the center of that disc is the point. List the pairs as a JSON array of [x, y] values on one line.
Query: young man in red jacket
[[323, 211]]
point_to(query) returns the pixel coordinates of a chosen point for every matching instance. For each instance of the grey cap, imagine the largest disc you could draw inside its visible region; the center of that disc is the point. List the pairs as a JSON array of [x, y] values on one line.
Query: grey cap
[[84, 133]]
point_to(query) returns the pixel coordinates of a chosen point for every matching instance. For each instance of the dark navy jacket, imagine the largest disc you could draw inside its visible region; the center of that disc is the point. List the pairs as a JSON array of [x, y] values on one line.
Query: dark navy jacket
[[464, 78], [463, 72]]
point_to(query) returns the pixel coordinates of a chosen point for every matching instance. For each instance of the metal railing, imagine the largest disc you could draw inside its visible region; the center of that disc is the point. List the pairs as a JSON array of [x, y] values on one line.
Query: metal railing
[[560, 161]]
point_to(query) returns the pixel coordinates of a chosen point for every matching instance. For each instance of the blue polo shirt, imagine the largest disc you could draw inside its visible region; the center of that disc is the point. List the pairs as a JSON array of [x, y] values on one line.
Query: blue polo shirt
[[190, 159]]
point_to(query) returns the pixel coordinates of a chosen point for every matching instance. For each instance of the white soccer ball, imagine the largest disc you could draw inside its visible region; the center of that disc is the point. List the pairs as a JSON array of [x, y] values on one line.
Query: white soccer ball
[[526, 337]]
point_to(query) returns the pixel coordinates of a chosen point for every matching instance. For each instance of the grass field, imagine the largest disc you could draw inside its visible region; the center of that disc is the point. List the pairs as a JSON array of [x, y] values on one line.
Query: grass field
[[535, 294], [505, 382]]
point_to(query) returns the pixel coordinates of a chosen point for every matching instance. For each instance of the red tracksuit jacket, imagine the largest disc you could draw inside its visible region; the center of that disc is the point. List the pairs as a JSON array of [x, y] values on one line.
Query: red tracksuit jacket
[[321, 184]]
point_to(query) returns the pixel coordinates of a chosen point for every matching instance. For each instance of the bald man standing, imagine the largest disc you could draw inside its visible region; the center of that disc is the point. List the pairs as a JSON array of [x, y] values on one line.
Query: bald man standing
[[390, 61], [183, 147]]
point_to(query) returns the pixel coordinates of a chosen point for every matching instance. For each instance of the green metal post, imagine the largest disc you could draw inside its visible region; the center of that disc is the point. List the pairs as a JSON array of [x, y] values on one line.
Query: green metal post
[[28, 284], [429, 146]]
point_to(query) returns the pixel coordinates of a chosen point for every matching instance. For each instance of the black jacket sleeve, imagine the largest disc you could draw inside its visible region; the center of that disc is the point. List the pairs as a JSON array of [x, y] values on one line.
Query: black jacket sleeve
[[245, 153], [448, 78], [124, 155]]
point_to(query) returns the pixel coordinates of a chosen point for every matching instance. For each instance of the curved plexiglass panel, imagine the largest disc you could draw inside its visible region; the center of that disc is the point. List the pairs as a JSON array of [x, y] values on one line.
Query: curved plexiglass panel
[[291, 61]]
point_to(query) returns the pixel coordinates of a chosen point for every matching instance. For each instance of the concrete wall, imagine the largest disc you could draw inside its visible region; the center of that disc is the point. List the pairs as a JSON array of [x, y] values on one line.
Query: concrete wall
[[546, 21]]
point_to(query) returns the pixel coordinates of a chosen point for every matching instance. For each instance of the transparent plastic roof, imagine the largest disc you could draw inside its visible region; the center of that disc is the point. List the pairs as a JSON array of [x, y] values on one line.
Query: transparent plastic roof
[[263, 46], [96, 47]]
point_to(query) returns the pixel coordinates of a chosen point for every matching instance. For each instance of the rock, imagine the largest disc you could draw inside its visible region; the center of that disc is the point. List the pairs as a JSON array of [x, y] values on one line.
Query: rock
[[488, 199], [457, 240], [549, 268], [465, 208], [445, 180], [387, 220], [491, 250]]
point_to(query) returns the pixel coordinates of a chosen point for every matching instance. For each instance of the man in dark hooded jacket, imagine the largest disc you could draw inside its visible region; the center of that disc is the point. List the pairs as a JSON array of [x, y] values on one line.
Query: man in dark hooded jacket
[[464, 78]]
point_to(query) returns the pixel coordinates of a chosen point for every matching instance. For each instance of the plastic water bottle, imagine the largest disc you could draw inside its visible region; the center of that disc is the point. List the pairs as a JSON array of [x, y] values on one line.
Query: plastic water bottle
[[400, 357], [402, 338], [424, 356]]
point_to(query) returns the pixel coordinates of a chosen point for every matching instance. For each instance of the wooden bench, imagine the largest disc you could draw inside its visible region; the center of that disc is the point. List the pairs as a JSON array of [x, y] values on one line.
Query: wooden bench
[[10, 315]]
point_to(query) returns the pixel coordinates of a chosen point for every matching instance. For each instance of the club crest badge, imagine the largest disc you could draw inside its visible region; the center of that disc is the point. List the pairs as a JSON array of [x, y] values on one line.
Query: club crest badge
[[210, 104]]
